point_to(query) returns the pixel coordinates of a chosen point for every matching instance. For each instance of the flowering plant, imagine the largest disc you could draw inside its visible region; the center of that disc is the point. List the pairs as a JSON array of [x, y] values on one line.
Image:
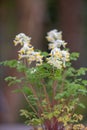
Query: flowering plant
[[50, 84]]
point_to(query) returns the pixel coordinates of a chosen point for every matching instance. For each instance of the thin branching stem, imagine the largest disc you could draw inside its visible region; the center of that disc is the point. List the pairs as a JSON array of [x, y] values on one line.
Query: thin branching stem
[[63, 79], [54, 87], [28, 102], [36, 96], [46, 94]]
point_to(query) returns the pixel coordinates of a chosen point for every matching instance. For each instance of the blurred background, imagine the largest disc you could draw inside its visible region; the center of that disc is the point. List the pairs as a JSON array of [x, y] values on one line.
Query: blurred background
[[35, 18]]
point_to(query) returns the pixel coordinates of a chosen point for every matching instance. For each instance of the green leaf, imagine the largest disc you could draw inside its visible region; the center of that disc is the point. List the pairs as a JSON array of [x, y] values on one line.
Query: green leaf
[[12, 80], [60, 95], [26, 90], [84, 82], [70, 72], [74, 56], [10, 63], [24, 112], [81, 71], [21, 67]]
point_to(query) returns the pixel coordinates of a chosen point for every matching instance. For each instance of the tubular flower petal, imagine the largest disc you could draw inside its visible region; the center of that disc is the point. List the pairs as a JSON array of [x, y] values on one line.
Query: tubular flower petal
[[56, 52], [22, 39], [54, 35], [25, 49], [55, 62], [65, 57], [38, 58], [57, 43]]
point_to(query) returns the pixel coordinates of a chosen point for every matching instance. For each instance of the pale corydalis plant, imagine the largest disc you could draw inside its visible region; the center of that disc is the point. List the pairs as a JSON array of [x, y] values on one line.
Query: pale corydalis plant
[[51, 86]]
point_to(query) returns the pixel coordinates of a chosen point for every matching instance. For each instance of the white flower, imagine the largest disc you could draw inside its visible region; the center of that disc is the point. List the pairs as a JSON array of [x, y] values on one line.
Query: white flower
[[58, 58], [65, 57], [57, 43], [25, 49], [55, 39], [22, 56], [54, 35], [56, 52], [38, 58], [54, 62], [31, 58], [22, 39]]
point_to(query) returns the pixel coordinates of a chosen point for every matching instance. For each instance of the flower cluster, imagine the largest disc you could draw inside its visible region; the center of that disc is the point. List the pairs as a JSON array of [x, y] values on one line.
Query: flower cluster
[[58, 56], [27, 50]]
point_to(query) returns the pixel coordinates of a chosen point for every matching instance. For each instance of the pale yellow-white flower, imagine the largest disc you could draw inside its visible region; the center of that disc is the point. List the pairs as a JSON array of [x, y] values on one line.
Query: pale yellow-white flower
[[65, 57], [56, 52], [22, 56], [25, 49], [22, 39], [57, 43], [31, 58], [54, 62], [54, 35], [38, 58]]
